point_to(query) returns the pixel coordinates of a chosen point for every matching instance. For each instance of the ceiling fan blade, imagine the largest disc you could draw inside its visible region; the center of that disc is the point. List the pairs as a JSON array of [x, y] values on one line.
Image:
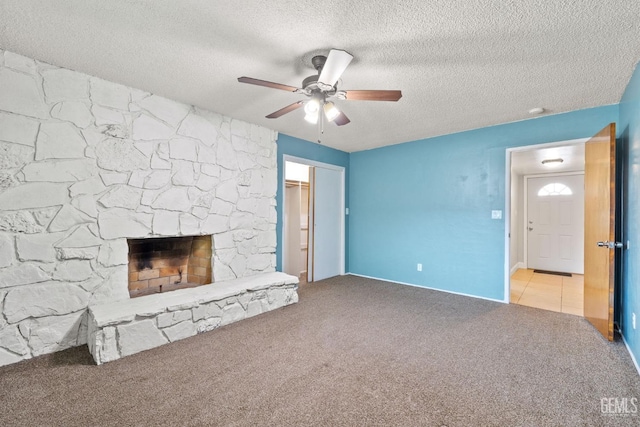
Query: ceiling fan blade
[[341, 120], [336, 63], [285, 110], [265, 83], [373, 95]]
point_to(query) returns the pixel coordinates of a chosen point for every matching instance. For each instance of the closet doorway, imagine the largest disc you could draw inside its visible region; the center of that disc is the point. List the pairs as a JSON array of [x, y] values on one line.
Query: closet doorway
[[296, 220], [314, 219]]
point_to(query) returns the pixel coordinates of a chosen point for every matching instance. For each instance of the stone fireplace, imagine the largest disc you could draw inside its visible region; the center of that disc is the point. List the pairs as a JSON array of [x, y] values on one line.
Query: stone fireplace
[[168, 263], [85, 165]]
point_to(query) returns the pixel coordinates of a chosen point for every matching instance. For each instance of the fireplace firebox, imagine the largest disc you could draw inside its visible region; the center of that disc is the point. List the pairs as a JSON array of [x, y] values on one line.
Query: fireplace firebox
[[169, 263]]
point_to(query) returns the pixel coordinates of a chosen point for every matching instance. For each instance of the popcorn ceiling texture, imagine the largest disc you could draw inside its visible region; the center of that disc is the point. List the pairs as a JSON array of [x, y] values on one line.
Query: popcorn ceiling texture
[[461, 64], [85, 164]]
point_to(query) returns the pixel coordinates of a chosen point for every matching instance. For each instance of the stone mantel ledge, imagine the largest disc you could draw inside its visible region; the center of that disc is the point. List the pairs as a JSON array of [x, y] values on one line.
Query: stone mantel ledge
[[117, 312], [121, 328]]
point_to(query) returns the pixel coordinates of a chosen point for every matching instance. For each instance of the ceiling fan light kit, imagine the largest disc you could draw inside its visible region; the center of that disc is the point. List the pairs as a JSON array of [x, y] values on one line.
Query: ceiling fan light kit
[[331, 111], [323, 86], [312, 117]]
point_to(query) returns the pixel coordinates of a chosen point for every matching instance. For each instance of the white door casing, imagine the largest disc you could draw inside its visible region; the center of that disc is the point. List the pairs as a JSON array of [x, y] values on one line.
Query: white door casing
[[554, 224]]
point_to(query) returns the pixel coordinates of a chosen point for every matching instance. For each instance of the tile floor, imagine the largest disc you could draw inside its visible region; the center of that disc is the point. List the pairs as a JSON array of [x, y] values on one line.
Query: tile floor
[[548, 291]]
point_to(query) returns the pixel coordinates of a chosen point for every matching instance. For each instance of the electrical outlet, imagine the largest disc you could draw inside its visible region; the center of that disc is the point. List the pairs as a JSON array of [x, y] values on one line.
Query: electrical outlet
[[420, 269], [633, 320], [496, 214]]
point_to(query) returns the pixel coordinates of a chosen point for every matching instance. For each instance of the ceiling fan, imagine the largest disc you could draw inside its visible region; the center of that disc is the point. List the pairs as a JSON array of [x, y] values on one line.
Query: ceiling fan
[[320, 88]]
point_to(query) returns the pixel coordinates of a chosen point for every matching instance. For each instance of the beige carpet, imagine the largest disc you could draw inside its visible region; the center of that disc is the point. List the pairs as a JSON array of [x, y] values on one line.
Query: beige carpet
[[353, 351]]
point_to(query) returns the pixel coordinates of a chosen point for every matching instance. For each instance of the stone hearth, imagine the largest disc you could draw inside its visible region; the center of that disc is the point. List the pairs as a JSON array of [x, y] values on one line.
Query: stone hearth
[[122, 328], [86, 164]]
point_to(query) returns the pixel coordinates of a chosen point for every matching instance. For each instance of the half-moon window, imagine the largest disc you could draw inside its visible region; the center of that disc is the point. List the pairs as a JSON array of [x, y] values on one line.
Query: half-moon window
[[555, 189]]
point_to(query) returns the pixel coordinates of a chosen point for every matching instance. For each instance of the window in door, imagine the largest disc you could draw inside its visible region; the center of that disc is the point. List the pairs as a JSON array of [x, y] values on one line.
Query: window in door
[[555, 189]]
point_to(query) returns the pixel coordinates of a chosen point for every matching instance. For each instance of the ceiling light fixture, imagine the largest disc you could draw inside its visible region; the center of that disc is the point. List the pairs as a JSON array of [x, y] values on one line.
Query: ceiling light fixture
[[537, 110], [312, 106], [331, 111], [311, 109], [552, 162], [312, 117]]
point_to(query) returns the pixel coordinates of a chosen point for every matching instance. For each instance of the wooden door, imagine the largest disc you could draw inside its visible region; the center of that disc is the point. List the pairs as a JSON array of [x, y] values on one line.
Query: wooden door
[[600, 207], [555, 223]]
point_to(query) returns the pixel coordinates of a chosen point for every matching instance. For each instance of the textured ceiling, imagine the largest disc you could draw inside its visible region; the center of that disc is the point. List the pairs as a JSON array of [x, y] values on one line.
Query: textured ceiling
[[461, 64]]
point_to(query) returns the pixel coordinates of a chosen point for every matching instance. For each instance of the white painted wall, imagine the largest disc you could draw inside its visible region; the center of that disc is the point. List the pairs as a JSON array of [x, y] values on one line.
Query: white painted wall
[[513, 242], [85, 164], [516, 252], [520, 218]]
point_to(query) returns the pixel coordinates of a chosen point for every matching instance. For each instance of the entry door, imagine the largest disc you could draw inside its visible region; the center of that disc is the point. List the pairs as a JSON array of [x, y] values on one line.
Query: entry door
[[599, 239], [555, 223], [327, 223]]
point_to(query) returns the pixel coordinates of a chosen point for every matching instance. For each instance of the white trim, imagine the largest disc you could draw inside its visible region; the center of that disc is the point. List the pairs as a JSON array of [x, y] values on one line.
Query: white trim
[[308, 162], [635, 362], [301, 160], [427, 287], [507, 228], [507, 204], [549, 144], [516, 267]]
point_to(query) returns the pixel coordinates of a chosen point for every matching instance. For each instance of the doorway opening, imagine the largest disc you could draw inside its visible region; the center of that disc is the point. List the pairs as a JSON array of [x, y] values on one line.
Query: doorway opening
[[313, 232], [296, 220], [544, 233]]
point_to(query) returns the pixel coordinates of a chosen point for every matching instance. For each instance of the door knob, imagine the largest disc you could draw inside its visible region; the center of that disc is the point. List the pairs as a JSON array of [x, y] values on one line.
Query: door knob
[[610, 245], [530, 228]]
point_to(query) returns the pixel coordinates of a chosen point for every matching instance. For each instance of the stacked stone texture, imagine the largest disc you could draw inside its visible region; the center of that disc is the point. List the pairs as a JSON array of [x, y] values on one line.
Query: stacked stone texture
[[124, 328], [85, 164]]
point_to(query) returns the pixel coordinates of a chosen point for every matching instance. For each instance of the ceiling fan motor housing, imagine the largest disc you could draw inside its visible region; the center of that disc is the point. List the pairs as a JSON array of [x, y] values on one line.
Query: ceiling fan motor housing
[[311, 85], [318, 62]]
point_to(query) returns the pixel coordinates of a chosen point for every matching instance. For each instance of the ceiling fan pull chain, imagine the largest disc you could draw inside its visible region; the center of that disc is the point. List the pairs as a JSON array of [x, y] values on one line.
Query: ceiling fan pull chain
[[321, 128]]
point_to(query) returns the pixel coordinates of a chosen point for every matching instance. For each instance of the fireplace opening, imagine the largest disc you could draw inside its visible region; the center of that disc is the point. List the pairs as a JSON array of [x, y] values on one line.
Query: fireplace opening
[[168, 263]]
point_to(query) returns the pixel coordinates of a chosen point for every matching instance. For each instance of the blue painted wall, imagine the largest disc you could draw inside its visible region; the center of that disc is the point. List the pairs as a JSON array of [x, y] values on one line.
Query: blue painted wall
[[311, 151], [629, 127], [430, 202]]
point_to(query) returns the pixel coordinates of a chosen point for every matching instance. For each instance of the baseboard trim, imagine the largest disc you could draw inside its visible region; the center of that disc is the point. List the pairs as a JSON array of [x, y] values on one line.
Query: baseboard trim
[[516, 267], [633, 358], [427, 287]]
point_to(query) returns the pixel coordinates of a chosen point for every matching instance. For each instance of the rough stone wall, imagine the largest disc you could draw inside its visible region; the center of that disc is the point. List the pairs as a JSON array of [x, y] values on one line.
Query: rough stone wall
[[121, 329], [85, 164]]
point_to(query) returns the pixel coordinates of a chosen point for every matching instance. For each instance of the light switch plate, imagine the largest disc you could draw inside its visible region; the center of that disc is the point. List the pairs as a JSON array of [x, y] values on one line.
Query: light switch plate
[[496, 214]]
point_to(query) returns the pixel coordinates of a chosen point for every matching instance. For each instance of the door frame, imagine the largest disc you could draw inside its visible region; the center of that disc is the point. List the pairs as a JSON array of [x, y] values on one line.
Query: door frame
[[526, 206], [507, 203], [288, 158]]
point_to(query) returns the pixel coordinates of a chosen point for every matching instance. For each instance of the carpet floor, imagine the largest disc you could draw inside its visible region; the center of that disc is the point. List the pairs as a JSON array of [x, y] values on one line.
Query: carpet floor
[[352, 352]]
